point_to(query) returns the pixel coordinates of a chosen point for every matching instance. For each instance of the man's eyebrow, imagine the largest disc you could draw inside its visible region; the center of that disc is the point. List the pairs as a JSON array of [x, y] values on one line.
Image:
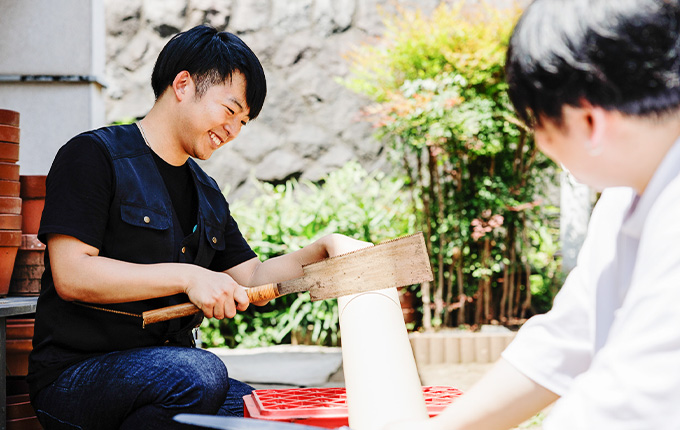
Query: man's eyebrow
[[237, 102], [234, 100]]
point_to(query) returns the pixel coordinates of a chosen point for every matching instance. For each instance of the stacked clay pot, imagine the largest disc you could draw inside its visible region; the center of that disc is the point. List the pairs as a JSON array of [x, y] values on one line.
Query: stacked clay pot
[[18, 344], [10, 200], [20, 413], [29, 265]]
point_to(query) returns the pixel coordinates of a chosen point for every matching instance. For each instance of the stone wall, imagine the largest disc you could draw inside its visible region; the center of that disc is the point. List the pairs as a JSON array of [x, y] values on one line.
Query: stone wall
[[309, 125]]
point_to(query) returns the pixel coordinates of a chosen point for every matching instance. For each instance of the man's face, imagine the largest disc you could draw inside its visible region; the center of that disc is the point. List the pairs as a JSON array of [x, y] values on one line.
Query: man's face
[[568, 145], [216, 117]]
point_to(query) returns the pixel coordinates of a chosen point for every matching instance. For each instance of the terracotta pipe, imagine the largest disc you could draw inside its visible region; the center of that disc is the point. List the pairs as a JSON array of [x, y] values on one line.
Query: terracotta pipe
[[381, 377]]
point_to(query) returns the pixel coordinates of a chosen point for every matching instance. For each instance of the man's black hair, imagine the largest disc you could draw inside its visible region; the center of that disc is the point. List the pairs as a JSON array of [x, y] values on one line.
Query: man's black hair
[[621, 55], [210, 57]]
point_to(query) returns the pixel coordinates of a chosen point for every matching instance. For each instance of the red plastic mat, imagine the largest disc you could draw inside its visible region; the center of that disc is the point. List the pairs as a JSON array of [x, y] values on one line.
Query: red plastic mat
[[324, 407]]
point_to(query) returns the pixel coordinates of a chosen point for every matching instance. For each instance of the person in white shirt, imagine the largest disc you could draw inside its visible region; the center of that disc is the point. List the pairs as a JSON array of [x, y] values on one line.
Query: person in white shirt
[[599, 82]]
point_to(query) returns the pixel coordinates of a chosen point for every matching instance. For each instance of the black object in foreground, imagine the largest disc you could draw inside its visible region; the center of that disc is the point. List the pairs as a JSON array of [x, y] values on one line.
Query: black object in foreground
[[233, 423]]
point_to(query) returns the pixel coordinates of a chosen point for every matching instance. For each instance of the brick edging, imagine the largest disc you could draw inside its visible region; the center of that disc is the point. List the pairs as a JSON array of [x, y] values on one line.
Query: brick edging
[[454, 347]]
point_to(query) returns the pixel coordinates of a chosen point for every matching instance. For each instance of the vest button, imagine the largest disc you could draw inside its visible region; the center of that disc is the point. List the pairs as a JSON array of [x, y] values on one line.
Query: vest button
[[184, 249], [147, 219], [214, 239]]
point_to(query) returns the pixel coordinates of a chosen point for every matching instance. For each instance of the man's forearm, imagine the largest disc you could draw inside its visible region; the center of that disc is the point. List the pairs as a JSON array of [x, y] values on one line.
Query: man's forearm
[[104, 280], [502, 399], [80, 274], [290, 266]]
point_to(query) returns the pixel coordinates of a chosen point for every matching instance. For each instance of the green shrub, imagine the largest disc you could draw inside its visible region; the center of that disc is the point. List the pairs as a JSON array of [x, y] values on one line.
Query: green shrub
[[284, 218], [441, 103]]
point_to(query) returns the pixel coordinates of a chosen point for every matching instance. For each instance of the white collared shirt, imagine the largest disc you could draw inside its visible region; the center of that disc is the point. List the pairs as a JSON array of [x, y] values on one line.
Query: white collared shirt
[[610, 347]]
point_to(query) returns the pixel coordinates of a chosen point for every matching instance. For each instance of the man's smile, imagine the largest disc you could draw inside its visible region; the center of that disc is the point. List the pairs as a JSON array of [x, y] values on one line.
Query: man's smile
[[215, 138]]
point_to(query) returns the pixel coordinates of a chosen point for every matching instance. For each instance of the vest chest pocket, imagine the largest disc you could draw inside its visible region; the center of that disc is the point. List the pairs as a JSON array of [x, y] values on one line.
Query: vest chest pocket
[[215, 237], [144, 217], [211, 241]]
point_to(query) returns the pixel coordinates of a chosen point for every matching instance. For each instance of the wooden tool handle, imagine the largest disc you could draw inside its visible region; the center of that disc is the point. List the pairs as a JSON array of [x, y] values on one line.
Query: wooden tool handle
[[255, 294], [168, 313], [263, 292]]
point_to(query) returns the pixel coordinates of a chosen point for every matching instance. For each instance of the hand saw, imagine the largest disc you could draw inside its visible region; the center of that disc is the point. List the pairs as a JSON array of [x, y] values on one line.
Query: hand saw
[[395, 263]]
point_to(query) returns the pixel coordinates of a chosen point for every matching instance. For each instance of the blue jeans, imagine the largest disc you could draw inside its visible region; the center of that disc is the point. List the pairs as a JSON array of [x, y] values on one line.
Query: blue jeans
[[140, 389]]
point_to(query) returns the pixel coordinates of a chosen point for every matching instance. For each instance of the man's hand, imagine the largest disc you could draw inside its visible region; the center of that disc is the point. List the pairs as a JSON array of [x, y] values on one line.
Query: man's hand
[[216, 293], [290, 266]]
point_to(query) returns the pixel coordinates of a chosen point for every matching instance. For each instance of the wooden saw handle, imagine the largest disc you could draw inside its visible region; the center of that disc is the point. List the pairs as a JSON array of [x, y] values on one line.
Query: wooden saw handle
[[255, 294]]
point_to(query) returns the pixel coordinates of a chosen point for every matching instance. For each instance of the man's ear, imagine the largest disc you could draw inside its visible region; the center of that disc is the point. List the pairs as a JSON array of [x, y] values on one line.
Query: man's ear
[[183, 85], [600, 123], [597, 120]]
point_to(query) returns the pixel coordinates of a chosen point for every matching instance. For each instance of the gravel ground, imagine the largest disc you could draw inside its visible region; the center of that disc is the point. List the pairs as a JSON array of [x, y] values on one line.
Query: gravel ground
[[323, 366], [463, 376]]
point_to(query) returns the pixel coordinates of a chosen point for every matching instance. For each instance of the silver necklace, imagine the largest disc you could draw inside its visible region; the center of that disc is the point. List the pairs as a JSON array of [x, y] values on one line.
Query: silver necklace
[[141, 129]]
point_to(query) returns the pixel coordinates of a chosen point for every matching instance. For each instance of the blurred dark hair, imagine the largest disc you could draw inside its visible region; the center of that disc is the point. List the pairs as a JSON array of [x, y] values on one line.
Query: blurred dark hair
[[621, 55], [210, 57]]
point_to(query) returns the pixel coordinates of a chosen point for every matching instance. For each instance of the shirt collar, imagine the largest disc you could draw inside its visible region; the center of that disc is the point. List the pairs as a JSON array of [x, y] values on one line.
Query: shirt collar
[[641, 205]]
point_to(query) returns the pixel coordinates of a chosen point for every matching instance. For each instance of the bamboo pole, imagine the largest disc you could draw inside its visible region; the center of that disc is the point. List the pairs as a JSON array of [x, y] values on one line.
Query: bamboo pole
[[381, 377]]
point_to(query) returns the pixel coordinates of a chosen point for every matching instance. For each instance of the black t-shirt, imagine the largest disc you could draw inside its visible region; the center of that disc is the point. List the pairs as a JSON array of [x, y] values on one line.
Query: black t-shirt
[[80, 189], [180, 186]]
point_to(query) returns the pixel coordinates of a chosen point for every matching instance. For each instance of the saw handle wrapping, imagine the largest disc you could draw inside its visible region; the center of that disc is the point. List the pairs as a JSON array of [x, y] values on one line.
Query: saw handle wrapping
[[263, 292], [255, 294]]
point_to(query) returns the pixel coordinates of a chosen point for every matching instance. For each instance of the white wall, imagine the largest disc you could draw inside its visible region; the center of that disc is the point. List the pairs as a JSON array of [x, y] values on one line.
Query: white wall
[[52, 64], [51, 114]]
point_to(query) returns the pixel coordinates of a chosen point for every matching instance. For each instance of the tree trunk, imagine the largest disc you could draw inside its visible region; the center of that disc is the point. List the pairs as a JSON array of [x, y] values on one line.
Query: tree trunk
[[448, 297], [506, 276], [412, 188], [439, 198], [461, 291], [425, 287], [479, 303], [486, 280], [427, 306], [512, 287], [527, 299], [504, 296], [515, 306]]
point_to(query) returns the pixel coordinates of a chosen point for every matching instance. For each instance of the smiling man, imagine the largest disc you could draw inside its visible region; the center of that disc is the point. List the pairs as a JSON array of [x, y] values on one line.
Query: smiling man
[[132, 223]]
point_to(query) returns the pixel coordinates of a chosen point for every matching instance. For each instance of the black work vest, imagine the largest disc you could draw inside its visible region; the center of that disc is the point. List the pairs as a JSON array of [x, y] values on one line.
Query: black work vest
[[142, 228]]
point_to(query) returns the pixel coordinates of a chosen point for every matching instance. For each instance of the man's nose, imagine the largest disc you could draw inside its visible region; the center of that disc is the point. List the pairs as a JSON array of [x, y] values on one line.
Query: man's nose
[[233, 128]]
